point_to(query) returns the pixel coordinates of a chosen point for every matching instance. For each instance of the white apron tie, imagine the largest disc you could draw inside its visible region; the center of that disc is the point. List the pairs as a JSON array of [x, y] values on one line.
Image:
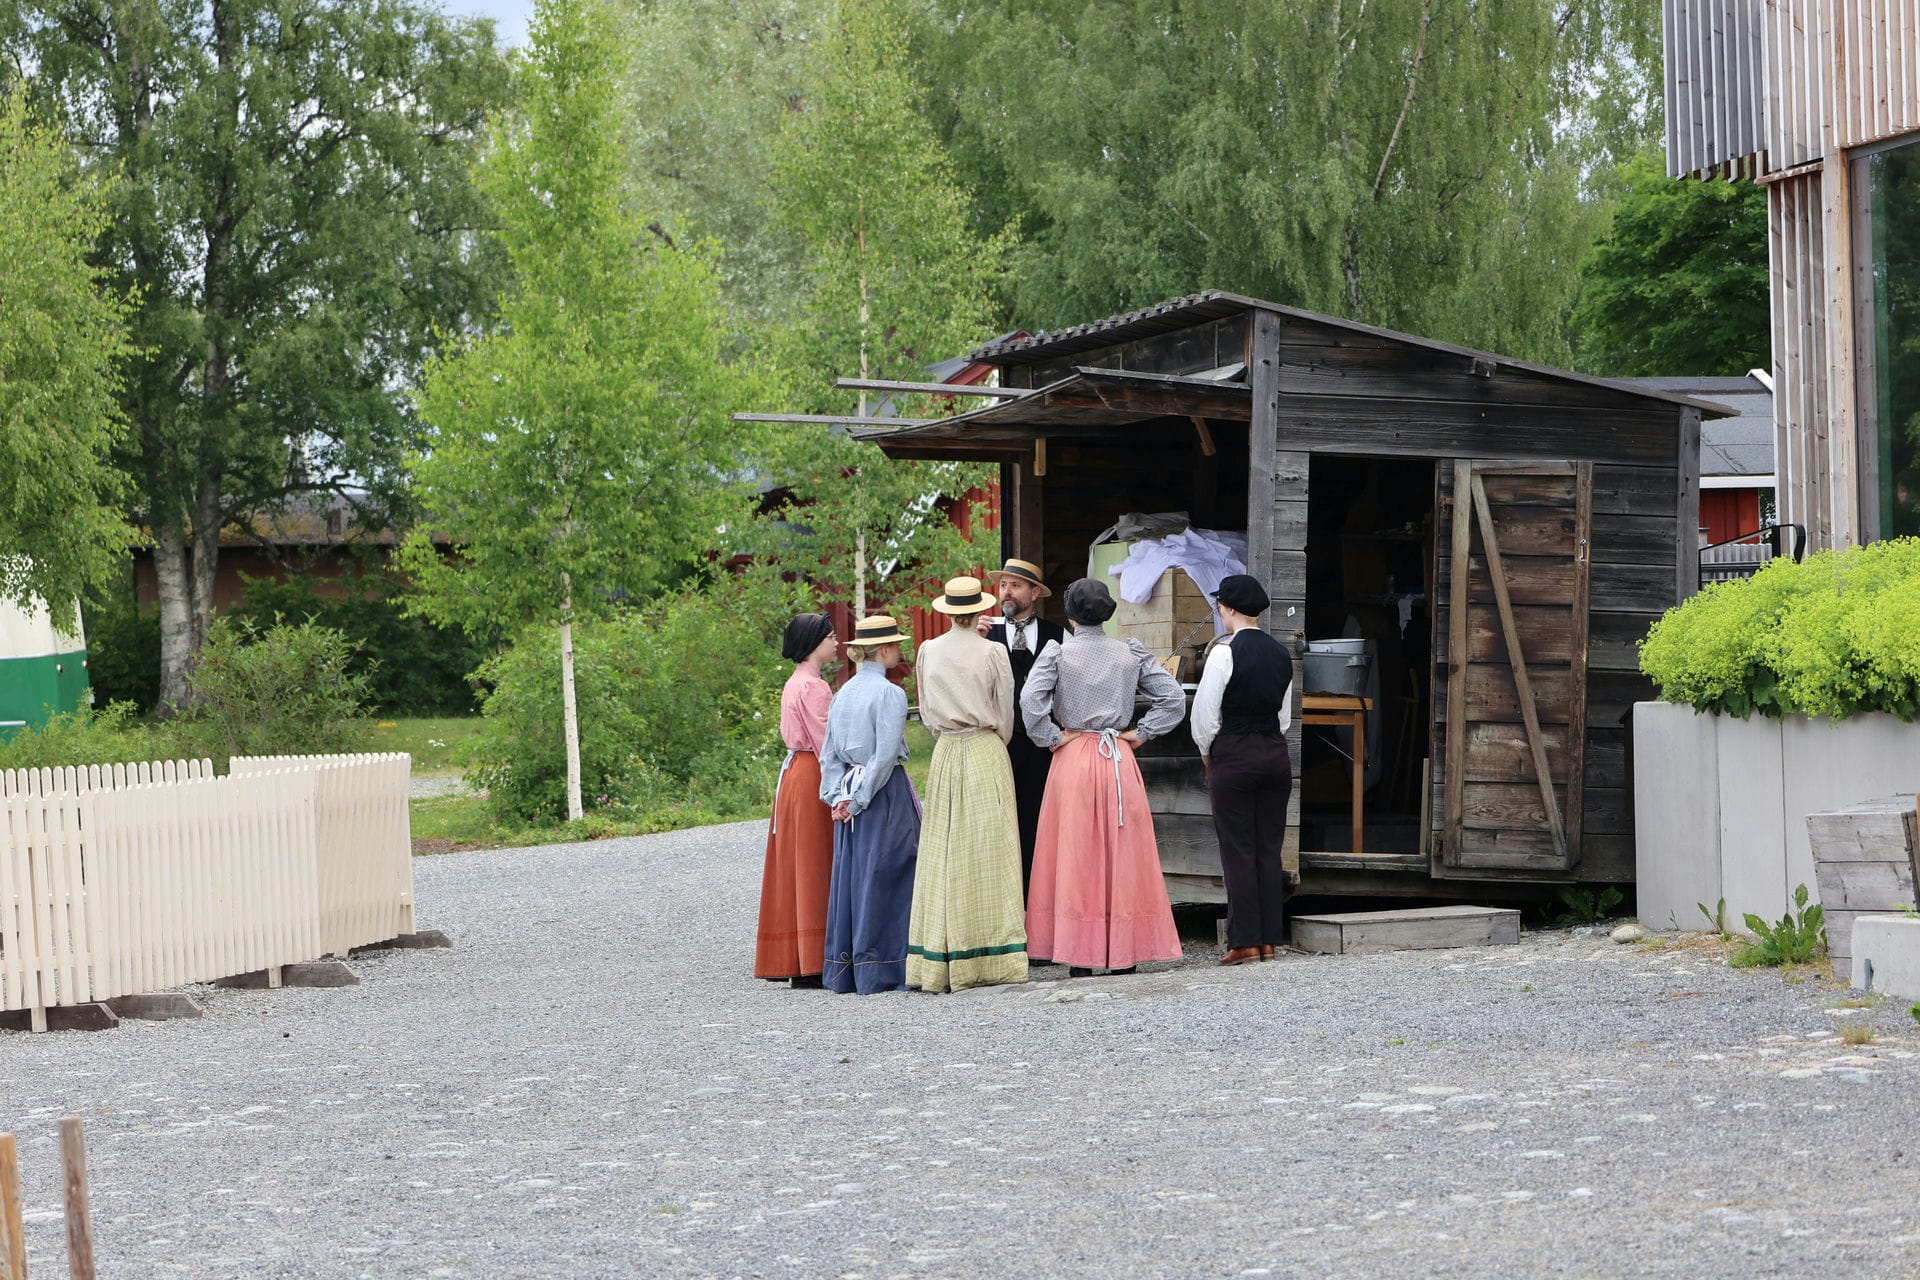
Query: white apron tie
[[780, 782], [849, 783], [1109, 749]]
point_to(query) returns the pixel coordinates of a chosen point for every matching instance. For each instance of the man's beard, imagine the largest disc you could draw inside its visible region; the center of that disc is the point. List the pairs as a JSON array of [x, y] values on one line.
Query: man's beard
[[1008, 608]]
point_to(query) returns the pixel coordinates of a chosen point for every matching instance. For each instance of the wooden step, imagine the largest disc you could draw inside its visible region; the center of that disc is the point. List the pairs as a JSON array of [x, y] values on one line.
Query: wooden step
[[1361, 933], [1416, 862]]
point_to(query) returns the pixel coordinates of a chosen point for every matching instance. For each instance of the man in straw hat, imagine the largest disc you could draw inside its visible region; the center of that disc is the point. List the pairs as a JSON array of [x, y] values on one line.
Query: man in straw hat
[[876, 818], [969, 919], [1025, 634]]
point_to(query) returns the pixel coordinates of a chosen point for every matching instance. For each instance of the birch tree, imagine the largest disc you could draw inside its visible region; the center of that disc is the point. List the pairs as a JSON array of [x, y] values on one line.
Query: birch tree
[[580, 453], [62, 344], [292, 217], [896, 279]]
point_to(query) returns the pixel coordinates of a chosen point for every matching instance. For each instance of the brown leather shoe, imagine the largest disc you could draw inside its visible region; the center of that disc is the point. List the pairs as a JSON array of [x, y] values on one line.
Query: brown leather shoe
[[1266, 953], [1241, 955]]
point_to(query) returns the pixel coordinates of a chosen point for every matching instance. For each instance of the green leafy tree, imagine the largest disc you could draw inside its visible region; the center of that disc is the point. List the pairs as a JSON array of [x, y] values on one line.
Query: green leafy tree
[[709, 85], [1421, 165], [294, 220], [62, 344], [896, 280], [1678, 284], [580, 454]]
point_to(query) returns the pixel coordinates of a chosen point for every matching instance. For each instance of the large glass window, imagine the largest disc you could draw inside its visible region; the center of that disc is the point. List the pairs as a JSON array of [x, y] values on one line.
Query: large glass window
[[1887, 298]]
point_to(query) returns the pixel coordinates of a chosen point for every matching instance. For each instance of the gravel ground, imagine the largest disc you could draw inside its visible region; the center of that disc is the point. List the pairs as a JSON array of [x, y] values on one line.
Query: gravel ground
[[591, 1085], [429, 785]]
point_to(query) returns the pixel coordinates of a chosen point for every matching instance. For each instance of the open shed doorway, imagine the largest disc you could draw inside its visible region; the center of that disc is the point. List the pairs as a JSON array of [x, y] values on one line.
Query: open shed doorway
[[1370, 565]]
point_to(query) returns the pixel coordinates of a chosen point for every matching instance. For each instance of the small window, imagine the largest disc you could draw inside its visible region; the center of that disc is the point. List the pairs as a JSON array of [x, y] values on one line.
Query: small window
[[1887, 315]]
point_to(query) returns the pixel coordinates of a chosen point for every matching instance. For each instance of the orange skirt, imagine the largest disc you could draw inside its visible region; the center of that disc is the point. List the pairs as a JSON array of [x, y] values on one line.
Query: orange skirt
[[1097, 899], [793, 888]]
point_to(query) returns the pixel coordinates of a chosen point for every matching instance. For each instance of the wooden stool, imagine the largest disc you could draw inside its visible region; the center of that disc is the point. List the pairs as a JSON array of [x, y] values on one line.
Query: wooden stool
[[1349, 710]]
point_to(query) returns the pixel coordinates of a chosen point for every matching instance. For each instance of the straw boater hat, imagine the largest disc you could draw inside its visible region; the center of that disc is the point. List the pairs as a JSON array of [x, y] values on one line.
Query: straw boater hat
[[1025, 570], [963, 598], [870, 633]]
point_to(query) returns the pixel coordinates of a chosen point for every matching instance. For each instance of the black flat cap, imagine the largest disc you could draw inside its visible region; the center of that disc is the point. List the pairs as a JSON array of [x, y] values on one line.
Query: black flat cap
[[1243, 593], [1088, 601]]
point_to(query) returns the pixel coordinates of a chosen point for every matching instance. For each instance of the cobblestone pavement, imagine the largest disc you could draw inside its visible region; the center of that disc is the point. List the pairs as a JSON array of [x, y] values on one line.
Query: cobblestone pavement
[[591, 1085]]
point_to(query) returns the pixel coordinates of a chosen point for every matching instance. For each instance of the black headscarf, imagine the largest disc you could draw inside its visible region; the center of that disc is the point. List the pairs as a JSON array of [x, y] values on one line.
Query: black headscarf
[[804, 635], [1088, 601]]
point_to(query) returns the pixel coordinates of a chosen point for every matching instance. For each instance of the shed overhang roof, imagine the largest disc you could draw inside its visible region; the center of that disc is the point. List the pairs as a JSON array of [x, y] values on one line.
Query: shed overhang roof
[[1086, 402]]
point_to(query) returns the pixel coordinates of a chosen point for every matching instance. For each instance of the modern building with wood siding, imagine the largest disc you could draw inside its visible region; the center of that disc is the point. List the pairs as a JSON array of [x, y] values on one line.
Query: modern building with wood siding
[[1505, 532], [1819, 101]]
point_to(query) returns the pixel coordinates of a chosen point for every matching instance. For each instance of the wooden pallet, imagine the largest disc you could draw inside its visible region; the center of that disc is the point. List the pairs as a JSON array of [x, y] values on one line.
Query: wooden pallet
[[1362, 933]]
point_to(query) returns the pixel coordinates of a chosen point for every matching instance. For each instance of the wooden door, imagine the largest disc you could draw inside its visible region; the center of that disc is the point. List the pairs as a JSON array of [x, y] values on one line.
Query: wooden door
[[1512, 576]]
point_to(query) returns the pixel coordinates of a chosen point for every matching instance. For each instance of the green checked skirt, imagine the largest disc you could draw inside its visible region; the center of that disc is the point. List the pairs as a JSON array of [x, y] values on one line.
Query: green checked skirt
[[968, 927]]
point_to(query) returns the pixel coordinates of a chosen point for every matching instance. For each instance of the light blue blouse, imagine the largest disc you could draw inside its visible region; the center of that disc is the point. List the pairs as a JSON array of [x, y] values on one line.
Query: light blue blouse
[[866, 738]]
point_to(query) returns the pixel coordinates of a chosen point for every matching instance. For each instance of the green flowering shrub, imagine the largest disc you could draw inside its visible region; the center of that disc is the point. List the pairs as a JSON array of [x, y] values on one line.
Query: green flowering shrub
[[1836, 636], [679, 706]]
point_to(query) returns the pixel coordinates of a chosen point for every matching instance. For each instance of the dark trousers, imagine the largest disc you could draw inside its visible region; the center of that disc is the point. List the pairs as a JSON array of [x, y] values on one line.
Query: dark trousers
[[1030, 765], [1249, 777]]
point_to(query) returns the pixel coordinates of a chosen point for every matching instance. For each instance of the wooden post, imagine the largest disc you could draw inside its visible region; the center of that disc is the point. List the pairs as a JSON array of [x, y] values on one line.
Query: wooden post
[[73, 1167], [13, 1246]]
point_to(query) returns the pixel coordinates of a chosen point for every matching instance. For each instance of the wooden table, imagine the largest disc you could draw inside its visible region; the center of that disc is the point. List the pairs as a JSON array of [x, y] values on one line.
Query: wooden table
[[1349, 710]]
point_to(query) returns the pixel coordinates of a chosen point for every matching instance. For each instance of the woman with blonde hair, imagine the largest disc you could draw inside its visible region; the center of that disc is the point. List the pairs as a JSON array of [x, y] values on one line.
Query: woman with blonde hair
[[968, 927], [1097, 900], [799, 863], [876, 818]]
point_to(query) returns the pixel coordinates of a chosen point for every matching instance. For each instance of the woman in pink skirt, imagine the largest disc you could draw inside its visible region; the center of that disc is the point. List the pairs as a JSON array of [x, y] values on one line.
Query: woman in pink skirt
[[1097, 900]]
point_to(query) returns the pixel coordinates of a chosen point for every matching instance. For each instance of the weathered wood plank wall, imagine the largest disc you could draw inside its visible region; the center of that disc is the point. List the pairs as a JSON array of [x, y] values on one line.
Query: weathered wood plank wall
[[1830, 75]]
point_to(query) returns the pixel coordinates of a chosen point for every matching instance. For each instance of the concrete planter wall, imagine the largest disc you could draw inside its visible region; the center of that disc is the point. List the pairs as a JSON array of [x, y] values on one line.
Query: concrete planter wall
[[1720, 805]]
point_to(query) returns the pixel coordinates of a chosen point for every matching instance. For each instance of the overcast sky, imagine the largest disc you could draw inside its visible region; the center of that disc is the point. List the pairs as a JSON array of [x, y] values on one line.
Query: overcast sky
[[510, 16]]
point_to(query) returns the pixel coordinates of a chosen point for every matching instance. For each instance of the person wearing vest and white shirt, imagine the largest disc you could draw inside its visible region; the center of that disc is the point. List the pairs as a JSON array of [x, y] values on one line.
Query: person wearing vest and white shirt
[[1025, 633], [1239, 722]]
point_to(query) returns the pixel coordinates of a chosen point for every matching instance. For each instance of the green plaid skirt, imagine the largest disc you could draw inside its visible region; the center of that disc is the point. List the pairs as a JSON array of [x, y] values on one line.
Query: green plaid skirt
[[968, 927]]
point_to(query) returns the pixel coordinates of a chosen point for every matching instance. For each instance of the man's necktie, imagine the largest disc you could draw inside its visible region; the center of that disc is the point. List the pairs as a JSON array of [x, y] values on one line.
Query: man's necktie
[[1019, 637]]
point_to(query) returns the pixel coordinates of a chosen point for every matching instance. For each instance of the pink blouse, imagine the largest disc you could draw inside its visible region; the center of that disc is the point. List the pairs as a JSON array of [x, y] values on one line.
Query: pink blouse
[[803, 709]]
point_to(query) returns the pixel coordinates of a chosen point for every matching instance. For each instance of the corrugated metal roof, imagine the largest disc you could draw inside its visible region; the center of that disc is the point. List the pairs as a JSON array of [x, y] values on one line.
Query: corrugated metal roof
[[1175, 313], [1198, 308]]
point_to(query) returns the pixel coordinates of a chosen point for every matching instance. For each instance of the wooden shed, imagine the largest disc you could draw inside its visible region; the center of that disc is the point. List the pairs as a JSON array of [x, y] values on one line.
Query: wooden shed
[[1505, 533]]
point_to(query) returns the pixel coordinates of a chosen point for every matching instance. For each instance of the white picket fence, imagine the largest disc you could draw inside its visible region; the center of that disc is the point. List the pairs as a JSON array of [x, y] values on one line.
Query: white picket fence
[[134, 878]]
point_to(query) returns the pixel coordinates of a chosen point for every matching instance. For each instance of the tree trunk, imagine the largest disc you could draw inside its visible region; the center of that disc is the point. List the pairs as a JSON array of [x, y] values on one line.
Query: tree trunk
[[205, 563], [859, 575], [570, 710], [176, 615]]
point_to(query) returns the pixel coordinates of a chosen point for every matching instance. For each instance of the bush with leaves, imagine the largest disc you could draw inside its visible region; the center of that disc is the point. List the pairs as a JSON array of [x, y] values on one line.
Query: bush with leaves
[[123, 651], [113, 735], [413, 666], [286, 690], [679, 707], [1836, 636]]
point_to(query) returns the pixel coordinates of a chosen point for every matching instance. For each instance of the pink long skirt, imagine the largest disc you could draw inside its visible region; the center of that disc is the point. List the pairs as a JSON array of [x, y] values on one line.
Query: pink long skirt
[[1096, 899]]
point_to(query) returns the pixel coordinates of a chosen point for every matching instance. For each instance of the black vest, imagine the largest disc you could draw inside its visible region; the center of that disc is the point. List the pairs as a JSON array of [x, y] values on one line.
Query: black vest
[[1262, 670]]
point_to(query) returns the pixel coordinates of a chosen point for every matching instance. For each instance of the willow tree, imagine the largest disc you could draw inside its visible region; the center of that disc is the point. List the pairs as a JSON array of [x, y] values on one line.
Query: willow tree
[[896, 279], [580, 453], [709, 85], [1424, 165]]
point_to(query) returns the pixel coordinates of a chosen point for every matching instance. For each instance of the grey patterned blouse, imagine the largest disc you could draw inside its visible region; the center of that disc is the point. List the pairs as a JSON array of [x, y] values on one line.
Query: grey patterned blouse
[[1088, 685]]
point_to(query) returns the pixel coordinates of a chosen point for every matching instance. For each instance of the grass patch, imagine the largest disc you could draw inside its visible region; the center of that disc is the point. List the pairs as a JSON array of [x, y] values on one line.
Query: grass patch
[[453, 824], [1856, 1033], [449, 824], [436, 743], [1854, 1002]]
